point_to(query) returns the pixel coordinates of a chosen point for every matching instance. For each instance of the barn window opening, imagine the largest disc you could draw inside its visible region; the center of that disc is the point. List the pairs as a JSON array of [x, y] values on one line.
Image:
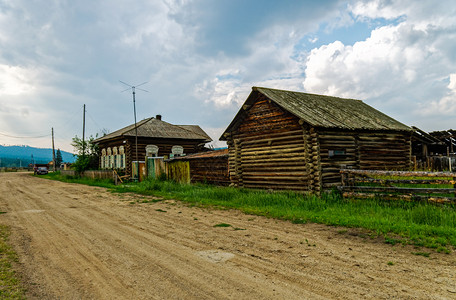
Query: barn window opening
[[336, 153]]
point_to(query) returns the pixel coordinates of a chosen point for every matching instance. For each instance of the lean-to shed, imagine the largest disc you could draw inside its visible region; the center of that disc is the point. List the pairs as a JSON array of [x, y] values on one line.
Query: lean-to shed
[[291, 140], [209, 167]]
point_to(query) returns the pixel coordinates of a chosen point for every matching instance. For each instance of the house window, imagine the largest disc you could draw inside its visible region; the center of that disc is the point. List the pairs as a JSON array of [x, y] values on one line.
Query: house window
[[151, 151], [177, 151], [122, 157], [114, 158], [103, 156]]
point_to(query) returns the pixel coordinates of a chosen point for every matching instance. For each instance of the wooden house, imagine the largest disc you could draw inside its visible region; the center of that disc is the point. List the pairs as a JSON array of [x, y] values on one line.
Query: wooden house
[[290, 140], [155, 138]]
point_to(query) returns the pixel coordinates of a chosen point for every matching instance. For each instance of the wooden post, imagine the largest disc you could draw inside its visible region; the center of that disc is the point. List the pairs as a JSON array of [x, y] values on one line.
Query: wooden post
[[308, 157], [316, 161], [454, 186], [238, 162]]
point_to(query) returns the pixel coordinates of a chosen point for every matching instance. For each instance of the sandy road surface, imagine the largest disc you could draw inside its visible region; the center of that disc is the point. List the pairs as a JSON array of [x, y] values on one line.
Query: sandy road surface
[[79, 242]]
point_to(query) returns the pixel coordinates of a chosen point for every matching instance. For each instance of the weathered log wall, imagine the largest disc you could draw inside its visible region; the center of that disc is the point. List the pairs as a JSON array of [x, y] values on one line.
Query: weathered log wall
[[338, 150], [210, 170], [362, 150], [385, 151], [267, 150]]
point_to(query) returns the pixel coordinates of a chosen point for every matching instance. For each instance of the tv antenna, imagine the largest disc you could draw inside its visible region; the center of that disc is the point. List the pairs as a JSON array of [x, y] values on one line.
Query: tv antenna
[[133, 90]]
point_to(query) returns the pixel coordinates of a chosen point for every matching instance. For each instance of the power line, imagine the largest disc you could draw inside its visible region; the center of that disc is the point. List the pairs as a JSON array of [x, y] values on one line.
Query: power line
[[24, 137], [95, 122]]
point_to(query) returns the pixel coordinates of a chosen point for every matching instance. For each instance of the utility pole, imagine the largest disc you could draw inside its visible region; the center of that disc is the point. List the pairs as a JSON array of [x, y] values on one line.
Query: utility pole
[[83, 130], [53, 150]]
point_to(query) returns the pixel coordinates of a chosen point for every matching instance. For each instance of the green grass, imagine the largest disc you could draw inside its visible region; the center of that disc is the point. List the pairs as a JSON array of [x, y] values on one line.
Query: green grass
[[416, 223], [425, 254], [222, 225], [10, 287], [87, 181]]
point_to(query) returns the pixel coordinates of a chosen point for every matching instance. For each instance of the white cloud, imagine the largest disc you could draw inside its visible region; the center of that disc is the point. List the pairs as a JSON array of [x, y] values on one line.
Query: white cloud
[[400, 68], [378, 65], [15, 80], [446, 106], [202, 57]]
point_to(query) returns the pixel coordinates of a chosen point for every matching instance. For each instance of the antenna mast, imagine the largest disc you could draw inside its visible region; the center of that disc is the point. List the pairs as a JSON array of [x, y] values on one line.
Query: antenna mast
[[133, 88]]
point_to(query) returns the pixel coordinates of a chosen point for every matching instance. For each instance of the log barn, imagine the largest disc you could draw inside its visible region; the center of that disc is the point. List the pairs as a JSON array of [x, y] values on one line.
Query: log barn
[[208, 167], [156, 138], [299, 141]]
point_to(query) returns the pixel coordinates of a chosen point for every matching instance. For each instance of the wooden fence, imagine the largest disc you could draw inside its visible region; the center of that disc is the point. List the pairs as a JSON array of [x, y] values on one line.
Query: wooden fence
[[435, 163], [399, 185], [179, 171]]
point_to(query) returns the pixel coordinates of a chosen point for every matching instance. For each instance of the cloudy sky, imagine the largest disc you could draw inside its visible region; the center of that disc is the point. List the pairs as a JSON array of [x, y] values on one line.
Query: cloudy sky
[[200, 59]]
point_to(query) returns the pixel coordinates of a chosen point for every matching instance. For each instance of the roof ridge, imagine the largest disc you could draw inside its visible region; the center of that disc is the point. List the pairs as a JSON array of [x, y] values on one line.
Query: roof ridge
[[258, 89], [157, 128], [180, 126], [322, 111]]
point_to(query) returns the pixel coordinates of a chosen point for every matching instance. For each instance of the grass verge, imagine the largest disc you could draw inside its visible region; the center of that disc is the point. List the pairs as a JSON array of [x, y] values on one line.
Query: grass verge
[[415, 223], [10, 287]]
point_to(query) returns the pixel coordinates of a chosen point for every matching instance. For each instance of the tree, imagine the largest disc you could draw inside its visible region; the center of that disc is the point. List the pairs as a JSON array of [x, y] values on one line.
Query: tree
[[87, 154], [58, 158]]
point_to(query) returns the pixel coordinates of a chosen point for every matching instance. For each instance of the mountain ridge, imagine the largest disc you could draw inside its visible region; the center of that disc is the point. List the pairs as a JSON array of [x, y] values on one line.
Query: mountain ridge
[[23, 154]]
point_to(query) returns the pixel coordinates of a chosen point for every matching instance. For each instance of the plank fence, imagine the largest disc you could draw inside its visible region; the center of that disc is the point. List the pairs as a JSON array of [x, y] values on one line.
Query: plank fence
[[405, 185]]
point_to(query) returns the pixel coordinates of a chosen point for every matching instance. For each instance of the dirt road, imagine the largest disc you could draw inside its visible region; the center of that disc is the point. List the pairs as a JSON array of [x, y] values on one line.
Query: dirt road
[[80, 242]]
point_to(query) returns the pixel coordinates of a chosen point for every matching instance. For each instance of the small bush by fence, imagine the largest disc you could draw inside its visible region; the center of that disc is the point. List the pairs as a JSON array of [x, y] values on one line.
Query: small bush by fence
[[438, 187]]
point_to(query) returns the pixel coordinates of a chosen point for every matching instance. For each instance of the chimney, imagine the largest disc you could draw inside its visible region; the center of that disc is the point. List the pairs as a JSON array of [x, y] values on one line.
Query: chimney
[[158, 117]]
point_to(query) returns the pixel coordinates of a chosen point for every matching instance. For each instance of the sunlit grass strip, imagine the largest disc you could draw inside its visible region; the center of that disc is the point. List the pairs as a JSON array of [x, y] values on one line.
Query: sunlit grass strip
[[10, 287], [416, 223]]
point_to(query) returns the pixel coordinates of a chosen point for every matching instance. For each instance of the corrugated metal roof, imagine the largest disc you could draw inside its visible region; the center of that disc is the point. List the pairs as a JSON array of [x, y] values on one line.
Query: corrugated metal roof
[[327, 111], [154, 128]]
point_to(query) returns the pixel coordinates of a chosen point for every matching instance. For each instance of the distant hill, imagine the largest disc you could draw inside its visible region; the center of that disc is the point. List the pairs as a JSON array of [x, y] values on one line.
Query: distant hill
[[16, 156]]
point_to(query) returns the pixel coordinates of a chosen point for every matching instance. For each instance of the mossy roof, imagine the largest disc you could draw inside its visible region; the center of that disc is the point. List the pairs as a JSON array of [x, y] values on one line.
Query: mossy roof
[[324, 111]]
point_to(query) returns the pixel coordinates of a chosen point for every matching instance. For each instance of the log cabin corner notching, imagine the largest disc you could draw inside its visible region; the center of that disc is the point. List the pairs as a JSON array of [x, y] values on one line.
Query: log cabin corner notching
[[155, 138], [291, 140]]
